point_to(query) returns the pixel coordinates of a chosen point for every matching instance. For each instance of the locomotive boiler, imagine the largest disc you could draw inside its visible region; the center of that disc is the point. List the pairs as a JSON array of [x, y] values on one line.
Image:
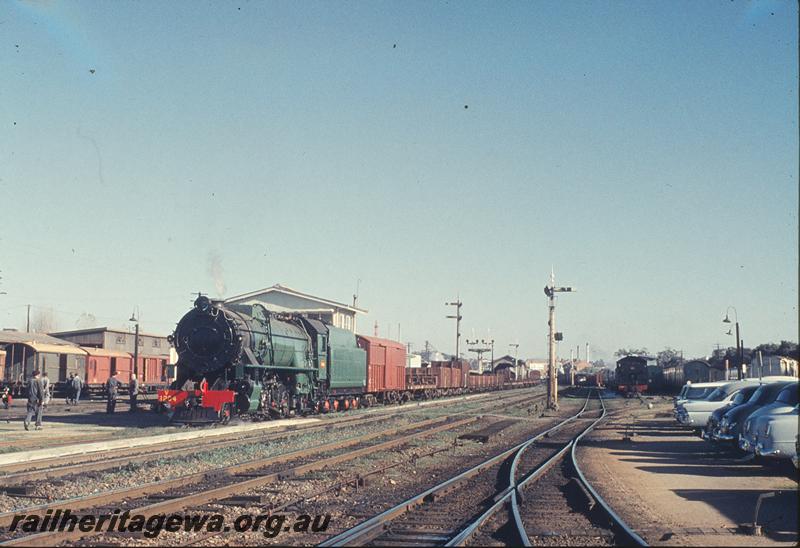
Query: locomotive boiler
[[237, 359]]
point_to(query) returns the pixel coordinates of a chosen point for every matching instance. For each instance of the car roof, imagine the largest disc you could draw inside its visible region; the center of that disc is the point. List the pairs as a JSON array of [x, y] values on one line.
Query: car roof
[[706, 384]]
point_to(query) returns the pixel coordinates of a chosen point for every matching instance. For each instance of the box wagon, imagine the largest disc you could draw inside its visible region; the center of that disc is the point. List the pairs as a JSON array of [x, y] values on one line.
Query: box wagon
[[386, 367]]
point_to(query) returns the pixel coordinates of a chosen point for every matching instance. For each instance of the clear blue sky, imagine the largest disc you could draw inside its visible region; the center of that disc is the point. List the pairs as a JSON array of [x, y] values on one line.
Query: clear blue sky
[[646, 150]]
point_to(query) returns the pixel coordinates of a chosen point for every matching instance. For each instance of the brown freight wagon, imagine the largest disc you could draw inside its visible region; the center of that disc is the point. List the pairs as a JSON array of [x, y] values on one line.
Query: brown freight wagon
[[442, 374], [386, 364], [102, 363], [420, 378], [150, 369]]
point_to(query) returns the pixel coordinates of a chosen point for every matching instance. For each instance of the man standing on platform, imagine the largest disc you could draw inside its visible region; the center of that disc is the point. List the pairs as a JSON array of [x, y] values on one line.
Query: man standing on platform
[[133, 388], [77, 386], [112, 391], [35, 401]]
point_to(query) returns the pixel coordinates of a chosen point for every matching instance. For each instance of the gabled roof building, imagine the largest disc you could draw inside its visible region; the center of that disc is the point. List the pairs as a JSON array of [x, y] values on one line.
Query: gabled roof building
[[279, 298]]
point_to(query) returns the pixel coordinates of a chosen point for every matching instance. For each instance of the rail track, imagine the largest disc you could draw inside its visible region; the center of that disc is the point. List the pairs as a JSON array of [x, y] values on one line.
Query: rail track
[[459, 510], [53, 467], [216, 484]]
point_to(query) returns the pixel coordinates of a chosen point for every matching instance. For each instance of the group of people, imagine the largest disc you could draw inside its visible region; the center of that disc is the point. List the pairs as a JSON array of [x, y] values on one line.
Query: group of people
[[74, 387], [112, 392], [40, 393]]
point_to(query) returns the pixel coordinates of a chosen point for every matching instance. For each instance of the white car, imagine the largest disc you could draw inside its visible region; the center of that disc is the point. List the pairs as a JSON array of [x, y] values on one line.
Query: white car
[[696, 413], [695, 391], [756, 427], [780, 437]]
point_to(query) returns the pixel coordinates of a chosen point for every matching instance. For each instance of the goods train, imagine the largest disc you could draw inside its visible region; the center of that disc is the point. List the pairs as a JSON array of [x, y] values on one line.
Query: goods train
[[631, 374], [242, 359]]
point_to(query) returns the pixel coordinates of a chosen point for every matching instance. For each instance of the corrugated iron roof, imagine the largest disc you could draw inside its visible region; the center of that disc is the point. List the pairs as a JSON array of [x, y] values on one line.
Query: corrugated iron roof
[[10, 337], [55, 348], [103, 330], [105, 352], [288, 290]]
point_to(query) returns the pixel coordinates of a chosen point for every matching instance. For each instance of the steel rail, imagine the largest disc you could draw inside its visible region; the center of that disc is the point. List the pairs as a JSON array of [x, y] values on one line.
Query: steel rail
[[628, 532], [208, 495], [134, 454], [512, 491], [64, 465], [374, 525], [108, 497]]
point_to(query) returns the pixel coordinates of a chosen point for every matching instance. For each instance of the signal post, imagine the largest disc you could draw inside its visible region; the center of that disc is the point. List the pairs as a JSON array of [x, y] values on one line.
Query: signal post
[[552, 381]]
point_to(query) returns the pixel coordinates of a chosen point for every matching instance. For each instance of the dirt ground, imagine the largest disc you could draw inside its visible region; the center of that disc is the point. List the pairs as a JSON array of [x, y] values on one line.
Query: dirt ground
[[675, 489], [86, 422]]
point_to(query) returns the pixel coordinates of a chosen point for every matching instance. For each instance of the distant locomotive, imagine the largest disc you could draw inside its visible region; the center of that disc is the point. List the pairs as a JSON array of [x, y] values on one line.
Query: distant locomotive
[[236, 359], [632, 375]]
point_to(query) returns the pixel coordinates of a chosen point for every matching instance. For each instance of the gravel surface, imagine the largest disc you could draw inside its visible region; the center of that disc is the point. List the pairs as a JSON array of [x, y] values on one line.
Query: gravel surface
[[135, 474], [676, 489], [347, 505]]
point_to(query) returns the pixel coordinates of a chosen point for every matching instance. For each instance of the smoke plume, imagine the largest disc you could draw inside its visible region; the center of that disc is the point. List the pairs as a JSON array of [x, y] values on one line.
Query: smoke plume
[[216, 272]]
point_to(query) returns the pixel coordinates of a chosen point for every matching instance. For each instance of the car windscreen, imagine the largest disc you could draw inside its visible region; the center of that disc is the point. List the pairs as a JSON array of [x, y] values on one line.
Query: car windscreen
[[741, 397], [788, 396], [695, 393], [771, 392], [760, 395], [745, 394]]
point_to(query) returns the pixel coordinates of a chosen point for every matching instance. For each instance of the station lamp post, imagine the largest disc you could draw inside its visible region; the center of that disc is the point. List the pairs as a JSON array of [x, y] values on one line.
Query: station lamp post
[[739, 349], [134, 318]]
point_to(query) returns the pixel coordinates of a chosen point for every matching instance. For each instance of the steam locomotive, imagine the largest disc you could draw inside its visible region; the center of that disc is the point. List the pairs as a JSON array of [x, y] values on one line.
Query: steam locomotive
[[244, 359]]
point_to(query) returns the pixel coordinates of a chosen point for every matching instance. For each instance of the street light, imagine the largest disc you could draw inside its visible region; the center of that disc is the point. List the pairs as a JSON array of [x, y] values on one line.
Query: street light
[[739, 346], [133, 318]]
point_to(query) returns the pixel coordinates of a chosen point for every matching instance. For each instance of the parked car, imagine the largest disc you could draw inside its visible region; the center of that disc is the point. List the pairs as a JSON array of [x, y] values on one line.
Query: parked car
[[730, 425], [696, 391], [697, 413], [712, 426], [779, 437], [756, 424]]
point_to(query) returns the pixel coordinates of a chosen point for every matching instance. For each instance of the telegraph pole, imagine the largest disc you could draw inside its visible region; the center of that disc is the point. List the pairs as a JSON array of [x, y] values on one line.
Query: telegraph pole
[[28, 328], [552, 383], [458, 304]]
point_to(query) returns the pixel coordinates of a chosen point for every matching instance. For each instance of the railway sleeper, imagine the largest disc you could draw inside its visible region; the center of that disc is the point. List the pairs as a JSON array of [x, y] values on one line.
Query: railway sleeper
[[578, 496]]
